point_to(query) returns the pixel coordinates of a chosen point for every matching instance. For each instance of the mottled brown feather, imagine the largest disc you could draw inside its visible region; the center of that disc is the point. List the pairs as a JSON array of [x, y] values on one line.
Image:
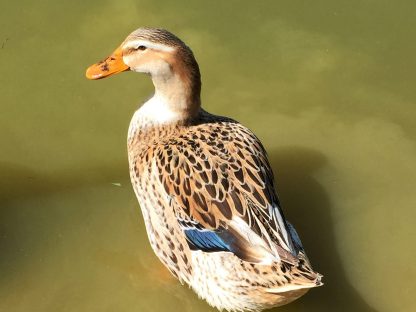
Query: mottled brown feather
[[238, 183]]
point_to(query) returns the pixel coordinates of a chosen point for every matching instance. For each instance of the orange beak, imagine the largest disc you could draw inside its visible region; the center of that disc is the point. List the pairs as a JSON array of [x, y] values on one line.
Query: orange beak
[[111, 65]]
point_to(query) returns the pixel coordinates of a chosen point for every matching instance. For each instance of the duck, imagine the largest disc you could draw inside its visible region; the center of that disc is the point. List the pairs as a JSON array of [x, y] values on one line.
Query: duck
[[205, 186]]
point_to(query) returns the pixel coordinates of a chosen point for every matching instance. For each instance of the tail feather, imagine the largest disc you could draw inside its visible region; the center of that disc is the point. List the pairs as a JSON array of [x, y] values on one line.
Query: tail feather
[[300, 283]]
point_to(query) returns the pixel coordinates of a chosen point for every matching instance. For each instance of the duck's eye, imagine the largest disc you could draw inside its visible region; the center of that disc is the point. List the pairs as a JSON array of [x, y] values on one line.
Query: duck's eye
[[141, 48]]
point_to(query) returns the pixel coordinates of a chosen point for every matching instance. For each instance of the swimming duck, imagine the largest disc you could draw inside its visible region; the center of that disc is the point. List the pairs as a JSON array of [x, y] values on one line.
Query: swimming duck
[[205, 186]]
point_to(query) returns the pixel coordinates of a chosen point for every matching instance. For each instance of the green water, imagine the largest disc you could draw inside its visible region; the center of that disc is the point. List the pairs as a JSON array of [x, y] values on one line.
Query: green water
[[329, 87]]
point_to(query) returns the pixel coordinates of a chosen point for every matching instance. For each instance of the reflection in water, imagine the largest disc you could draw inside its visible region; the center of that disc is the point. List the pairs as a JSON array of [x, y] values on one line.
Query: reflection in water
[[20, 182], [26, 217], [75, 245], [307, 206]]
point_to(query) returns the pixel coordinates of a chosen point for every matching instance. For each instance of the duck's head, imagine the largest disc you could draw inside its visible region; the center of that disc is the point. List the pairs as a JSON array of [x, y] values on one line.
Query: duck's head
[[156, 52]]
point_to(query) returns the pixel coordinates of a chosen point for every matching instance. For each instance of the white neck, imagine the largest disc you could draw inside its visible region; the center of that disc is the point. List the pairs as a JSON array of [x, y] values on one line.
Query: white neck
[[173, 100], [158, 110], [169, 87], [154, 112], [171, 91]]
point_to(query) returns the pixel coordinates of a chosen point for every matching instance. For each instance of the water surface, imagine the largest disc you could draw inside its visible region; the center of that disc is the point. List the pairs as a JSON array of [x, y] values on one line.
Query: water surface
[[328, 87]]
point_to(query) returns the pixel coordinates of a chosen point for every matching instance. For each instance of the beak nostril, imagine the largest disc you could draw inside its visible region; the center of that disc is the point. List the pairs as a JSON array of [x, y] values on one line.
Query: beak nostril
[[113, 64], [104, 67]]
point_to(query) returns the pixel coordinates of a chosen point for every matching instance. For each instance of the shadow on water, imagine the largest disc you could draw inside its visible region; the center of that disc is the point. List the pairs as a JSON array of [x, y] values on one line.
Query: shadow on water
[[307, 207], [20, 182], [22, 227], [304, 201]]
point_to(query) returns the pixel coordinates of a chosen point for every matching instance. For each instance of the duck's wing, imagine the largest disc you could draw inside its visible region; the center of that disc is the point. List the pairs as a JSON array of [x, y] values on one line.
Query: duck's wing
[[221, 188]]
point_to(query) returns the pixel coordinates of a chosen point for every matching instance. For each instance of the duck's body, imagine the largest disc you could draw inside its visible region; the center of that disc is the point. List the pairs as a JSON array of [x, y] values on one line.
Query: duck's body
[[205, 187]]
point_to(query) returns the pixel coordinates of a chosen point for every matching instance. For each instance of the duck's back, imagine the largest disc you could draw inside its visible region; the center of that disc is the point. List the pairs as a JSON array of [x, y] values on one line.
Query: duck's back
[[207, 194]]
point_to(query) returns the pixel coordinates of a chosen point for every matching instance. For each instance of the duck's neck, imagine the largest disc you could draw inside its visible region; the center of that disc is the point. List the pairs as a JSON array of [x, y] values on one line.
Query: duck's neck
[[176, 99], [178, 86], [177, 95]]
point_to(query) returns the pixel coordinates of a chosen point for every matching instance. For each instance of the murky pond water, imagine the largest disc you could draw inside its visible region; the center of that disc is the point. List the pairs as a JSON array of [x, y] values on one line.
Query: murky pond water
[[328, 86]]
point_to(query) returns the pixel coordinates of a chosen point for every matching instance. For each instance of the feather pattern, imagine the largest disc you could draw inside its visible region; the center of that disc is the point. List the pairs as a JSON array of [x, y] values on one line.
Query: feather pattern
[[215, 187], [206, 240], [216, 170]]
